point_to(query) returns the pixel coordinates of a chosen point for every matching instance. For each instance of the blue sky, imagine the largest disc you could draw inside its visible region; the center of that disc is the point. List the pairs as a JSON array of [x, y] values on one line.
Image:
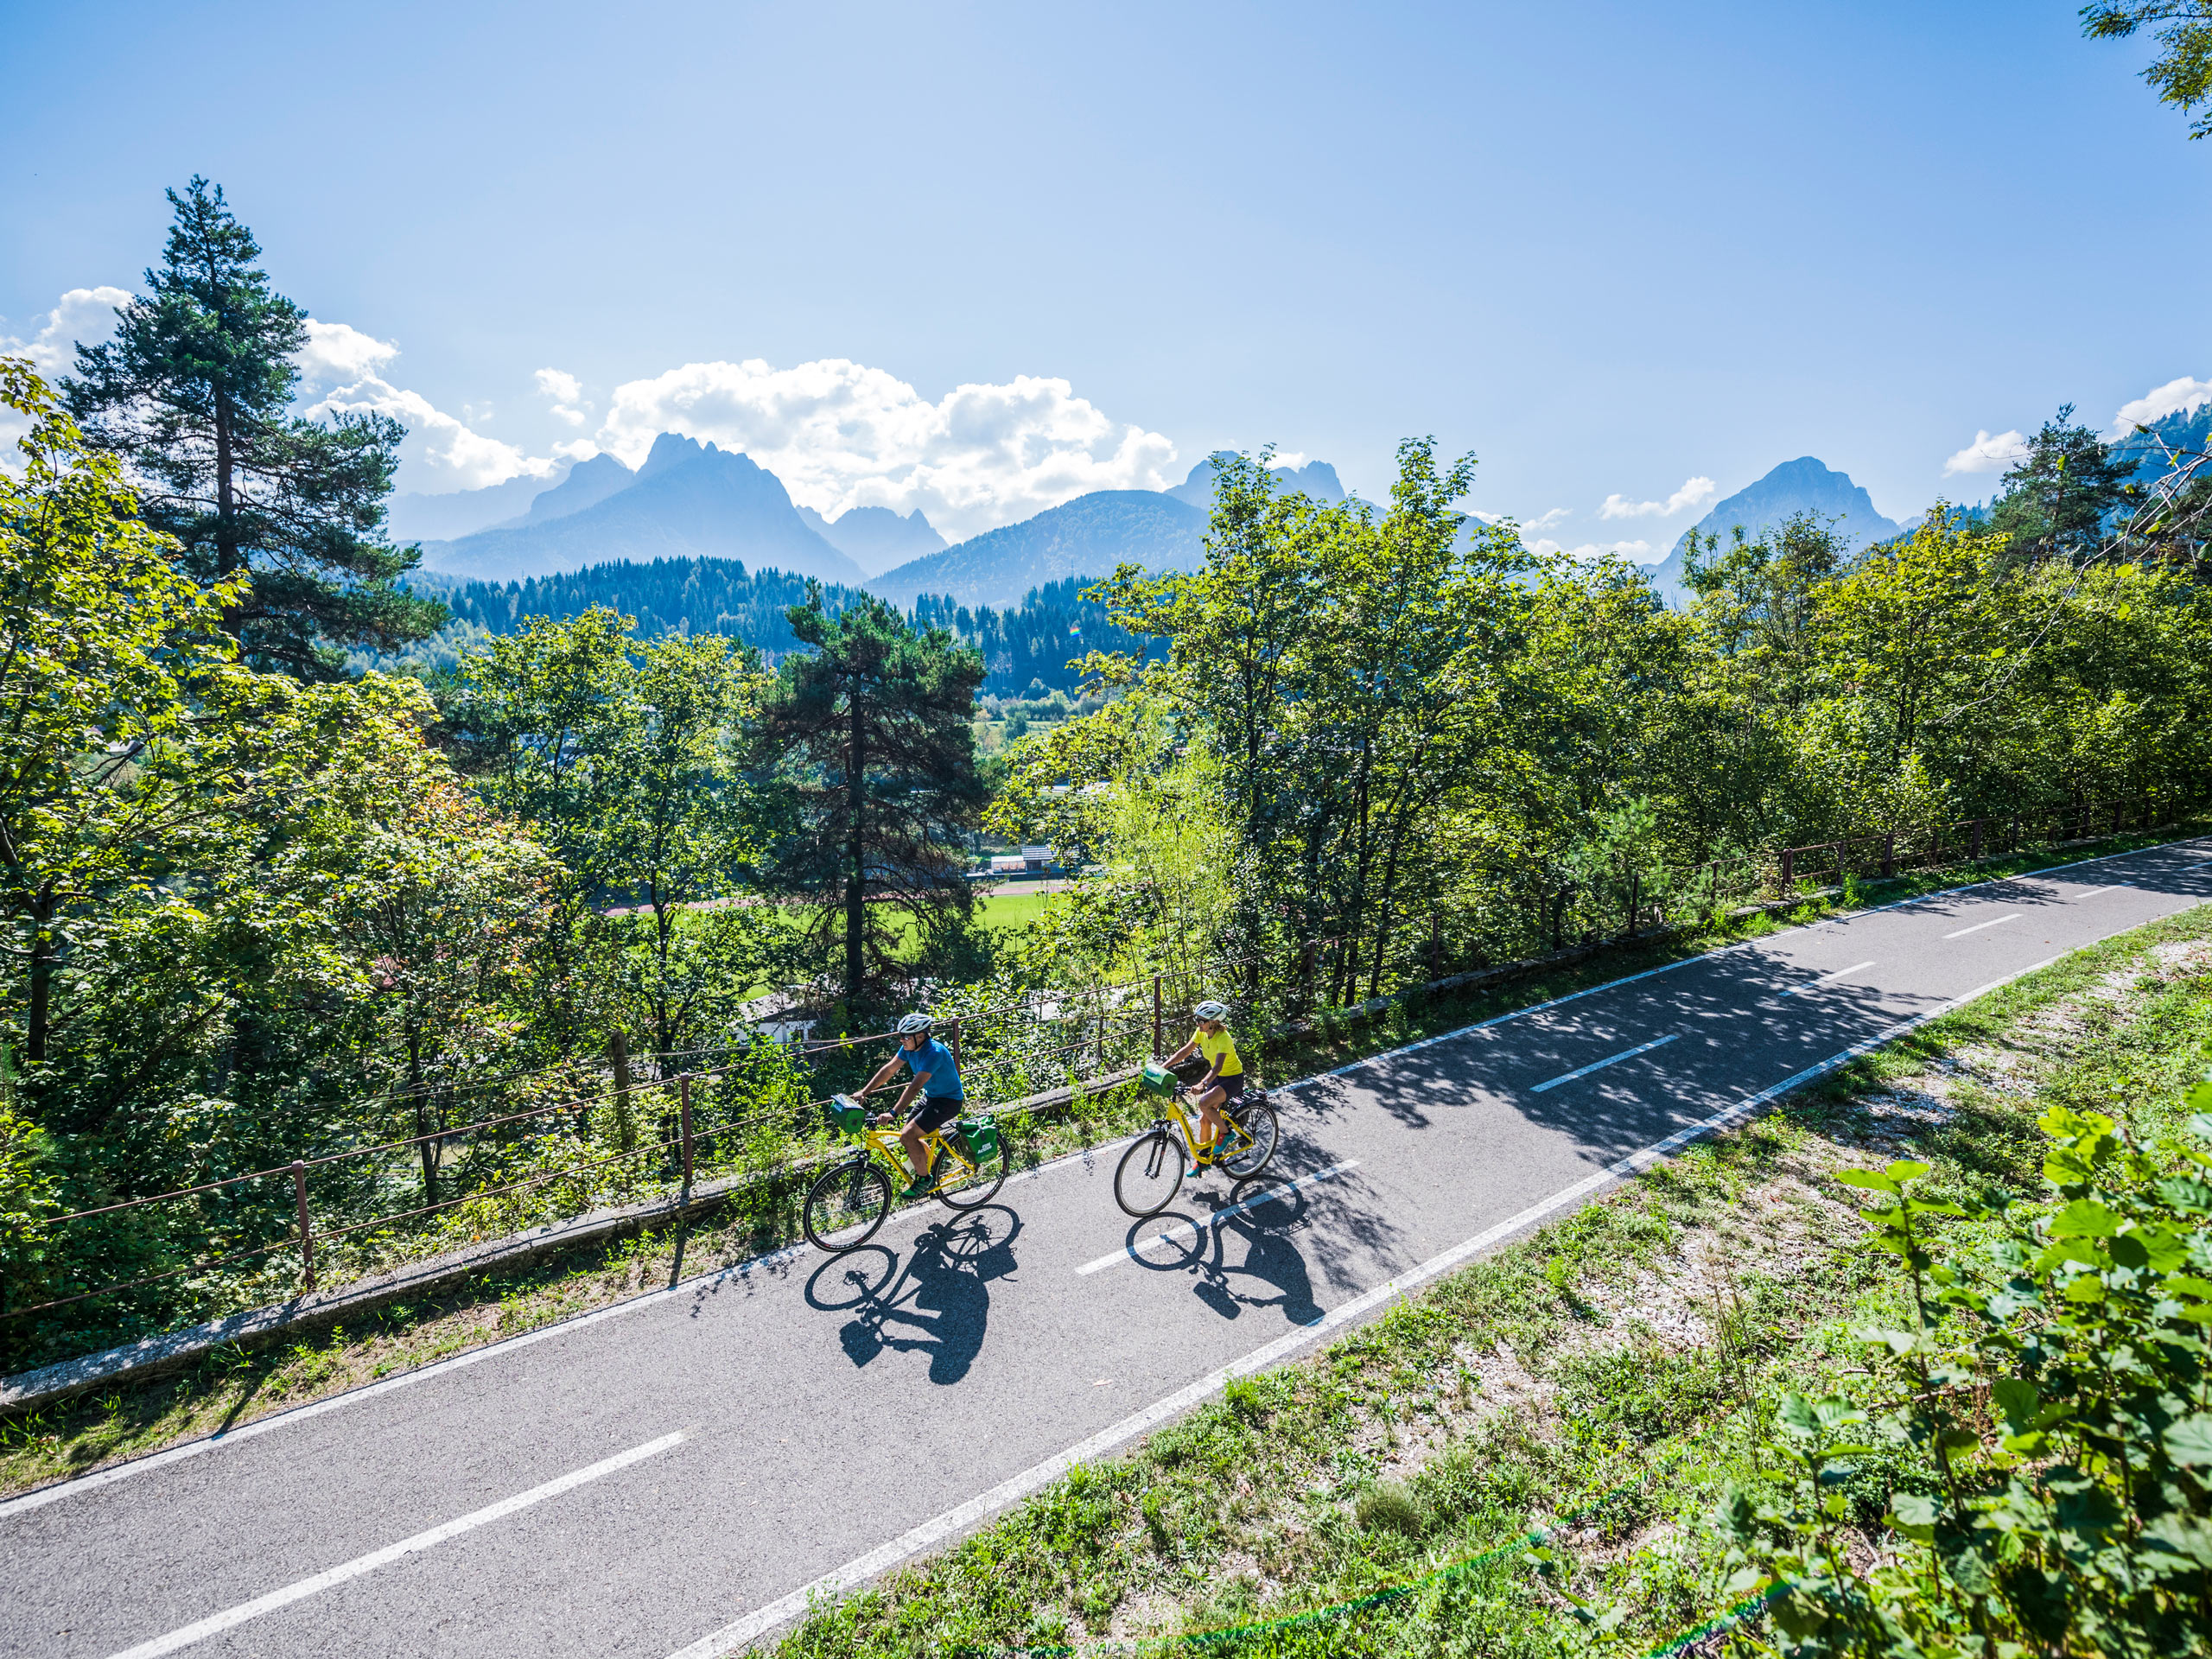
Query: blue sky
[[1613, 249]]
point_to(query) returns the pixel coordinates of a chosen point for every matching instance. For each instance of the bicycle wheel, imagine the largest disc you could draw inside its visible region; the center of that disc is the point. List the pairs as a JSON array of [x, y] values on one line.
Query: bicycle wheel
[[1257, 1119], [1150, 1174], [965, 1189], [848, 1195]]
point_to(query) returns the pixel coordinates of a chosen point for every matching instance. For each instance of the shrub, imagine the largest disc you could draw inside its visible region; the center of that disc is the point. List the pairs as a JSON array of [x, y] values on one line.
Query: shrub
[[2041, 1429]]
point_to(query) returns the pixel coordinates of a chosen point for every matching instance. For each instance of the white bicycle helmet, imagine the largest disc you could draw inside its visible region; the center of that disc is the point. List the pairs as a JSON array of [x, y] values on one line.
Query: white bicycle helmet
[[917, 1025], [1211, 1011]]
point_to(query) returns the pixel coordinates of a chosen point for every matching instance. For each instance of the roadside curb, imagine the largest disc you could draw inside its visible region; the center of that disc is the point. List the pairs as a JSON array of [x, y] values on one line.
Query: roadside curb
[[153, 1356]]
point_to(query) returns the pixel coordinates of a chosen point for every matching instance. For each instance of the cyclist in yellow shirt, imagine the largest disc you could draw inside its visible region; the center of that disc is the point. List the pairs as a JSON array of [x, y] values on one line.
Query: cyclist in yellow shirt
[[1224, 1078]]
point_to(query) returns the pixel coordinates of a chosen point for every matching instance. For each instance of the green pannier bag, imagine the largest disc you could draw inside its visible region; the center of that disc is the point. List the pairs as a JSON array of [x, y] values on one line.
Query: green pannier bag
[[845, 1113], [1156, 1080], [981, 1134]]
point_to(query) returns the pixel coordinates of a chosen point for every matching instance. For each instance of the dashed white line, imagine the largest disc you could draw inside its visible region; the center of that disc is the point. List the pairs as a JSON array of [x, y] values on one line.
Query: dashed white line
[[1610, 1060], [214, 1625], [1183, 1230], [1814, 984], [735, 1635], [1978, 927]]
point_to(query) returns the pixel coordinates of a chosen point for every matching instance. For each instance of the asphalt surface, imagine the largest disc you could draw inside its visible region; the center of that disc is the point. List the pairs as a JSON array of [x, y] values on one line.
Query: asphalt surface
[[636, 1481]]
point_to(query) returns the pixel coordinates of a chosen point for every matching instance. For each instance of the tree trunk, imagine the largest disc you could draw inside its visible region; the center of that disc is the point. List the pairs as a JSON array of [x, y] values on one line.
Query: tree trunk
[[856, 875], [40, 1015], [428, 1149]]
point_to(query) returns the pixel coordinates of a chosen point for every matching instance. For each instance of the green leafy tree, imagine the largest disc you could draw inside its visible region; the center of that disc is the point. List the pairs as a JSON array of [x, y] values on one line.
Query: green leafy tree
[[100, 641], [195, 395], [872, 728], [625, 755], [2182, 72]]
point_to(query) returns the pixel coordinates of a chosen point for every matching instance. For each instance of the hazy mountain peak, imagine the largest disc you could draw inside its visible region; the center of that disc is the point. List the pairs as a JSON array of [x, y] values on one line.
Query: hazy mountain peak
[[671, 450], [1316, 478], [876, 539], [1805, 484]]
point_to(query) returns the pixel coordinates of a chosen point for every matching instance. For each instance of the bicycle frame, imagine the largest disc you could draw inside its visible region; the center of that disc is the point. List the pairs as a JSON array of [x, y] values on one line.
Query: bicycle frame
[[1187, 1126], [884, 1143]]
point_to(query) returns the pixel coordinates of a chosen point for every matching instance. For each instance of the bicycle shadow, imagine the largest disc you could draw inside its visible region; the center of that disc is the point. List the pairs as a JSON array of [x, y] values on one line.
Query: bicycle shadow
[[937, 1301], [1236, 1250]]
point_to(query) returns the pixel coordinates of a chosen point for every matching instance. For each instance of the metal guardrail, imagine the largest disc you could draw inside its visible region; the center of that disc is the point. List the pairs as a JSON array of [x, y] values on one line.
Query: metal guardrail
[[1072, 1033]]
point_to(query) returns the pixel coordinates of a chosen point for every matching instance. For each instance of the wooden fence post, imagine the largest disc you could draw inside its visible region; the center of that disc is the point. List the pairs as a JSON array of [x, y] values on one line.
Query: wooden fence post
[[1889, 855], [1156, 1014], [1435, 945], [1977, 838], [1789, 870], [683, 1113], [953, 1032], [307, 1233], [625, 1126]]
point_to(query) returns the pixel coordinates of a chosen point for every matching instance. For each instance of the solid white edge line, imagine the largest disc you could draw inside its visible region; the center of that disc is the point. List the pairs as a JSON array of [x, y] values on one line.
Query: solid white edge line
[[953, 1522], [45, 1495], [215, 1623], [1169, 1234], [1600, 1065], [1814, 984], [1994, 921]]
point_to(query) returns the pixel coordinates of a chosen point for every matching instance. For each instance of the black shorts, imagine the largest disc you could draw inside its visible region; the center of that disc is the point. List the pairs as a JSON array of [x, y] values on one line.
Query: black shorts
[[1230, 1086], [934, 1113]]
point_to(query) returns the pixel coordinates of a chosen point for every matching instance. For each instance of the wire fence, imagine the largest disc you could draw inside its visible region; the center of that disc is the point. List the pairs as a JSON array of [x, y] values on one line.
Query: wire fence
[[750, 1120]]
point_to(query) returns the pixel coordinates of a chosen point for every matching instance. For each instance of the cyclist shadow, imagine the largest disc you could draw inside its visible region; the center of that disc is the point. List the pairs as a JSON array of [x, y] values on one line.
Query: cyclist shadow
[[936, 1302], [1268, 1271]]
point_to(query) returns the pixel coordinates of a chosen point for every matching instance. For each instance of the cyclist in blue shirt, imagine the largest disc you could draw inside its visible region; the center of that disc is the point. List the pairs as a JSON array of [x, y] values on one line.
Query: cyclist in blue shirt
[[931, 1101]]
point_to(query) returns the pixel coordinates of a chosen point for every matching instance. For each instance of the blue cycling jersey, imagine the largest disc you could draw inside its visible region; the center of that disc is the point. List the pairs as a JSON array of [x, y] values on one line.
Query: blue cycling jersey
[[932, 1063]]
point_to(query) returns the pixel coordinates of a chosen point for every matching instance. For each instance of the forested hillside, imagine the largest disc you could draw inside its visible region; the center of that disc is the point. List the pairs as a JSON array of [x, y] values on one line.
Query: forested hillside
[[1031, 644]]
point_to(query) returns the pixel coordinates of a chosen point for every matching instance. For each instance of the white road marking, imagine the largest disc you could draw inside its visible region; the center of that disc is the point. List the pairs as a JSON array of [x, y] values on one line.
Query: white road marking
[[1814, 984], [1978, 927], [2186, 869], [45, 1495], [1610, 1060], [954, 1522], [230, 1618], [1183, 1230]]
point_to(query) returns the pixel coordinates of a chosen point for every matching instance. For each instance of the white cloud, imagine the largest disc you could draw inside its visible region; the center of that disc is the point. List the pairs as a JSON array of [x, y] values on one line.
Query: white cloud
[[1637, 552], [337, 353], [1550, 519], [566, 394], [840, 435], [1694, 493], [441, 452], [83, 315], [2174, 397], [1987, 454]]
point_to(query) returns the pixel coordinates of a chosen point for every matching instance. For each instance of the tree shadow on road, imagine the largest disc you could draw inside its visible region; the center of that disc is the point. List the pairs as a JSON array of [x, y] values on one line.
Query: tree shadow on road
[[937, 1301]]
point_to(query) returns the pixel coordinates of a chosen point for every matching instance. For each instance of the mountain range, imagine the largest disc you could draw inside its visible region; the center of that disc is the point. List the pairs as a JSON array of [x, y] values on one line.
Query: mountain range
[[694, 500]]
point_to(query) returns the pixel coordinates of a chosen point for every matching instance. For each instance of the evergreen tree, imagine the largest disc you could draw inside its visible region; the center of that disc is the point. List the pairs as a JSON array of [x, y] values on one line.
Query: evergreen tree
[[195, 395], [2059, 496], [873, 725]]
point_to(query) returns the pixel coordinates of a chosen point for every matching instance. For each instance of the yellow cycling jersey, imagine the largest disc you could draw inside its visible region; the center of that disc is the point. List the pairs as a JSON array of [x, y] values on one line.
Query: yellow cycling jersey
[[1220, 1053]]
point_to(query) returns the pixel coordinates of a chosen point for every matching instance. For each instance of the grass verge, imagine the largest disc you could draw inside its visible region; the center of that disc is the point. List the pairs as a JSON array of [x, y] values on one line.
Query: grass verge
[[236, 1385], [1520, 1461]]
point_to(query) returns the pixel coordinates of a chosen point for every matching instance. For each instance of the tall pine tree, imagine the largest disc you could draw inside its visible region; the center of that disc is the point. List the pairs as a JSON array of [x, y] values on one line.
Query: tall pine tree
[[195, 395], [872, 727]]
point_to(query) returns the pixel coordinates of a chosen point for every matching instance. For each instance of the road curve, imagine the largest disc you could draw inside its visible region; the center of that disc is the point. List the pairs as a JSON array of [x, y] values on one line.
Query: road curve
[[671, 1475]]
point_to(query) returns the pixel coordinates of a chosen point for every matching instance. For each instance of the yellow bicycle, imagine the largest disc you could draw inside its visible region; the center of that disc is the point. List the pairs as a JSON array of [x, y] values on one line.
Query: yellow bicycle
[[1151, 1172], [848, 1200]]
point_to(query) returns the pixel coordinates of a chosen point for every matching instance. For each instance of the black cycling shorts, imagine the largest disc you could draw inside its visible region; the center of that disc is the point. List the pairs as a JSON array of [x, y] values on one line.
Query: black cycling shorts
[[1230, 1086], [934, 1113]]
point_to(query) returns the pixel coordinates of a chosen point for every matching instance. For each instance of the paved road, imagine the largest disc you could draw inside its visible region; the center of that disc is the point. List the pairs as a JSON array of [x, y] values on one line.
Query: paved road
[[664, 1477]]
